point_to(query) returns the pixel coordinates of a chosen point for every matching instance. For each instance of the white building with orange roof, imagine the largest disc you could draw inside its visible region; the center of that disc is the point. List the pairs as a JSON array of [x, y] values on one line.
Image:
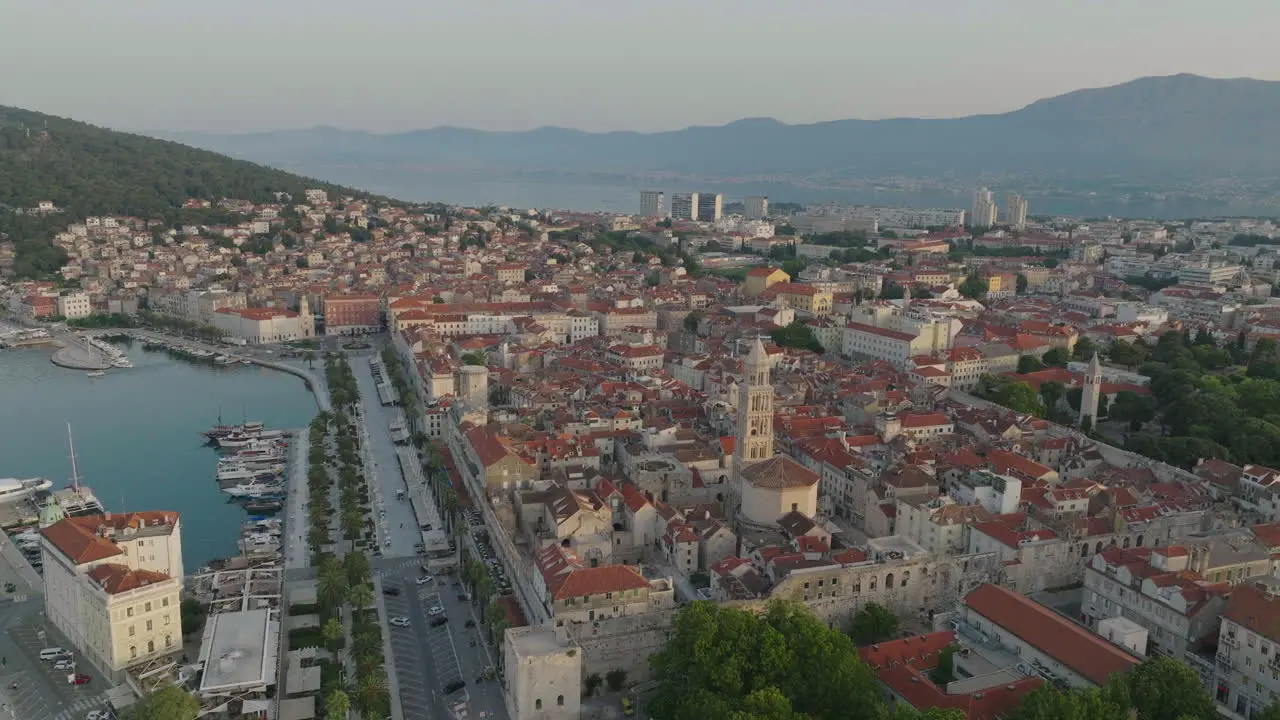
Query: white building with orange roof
[[113, 586]]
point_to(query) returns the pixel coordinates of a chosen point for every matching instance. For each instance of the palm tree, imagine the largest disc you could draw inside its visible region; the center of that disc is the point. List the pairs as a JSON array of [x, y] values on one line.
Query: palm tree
[[366, 645], [370, 691], [360, 596], [332, 632], [332, 587], [484, 589], [311, 359], [337, 706], [357, 568]]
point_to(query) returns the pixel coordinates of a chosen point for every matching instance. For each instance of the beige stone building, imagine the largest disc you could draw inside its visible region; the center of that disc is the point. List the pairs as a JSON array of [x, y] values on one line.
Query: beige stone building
[[113, 586]]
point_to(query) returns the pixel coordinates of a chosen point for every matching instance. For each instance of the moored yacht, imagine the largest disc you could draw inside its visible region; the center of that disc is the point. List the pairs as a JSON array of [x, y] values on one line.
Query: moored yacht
[[252, 489], [12, 489]]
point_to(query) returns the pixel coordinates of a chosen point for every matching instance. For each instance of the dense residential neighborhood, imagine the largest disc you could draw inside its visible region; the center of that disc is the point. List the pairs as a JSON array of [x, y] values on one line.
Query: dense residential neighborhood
[[1009, 435]]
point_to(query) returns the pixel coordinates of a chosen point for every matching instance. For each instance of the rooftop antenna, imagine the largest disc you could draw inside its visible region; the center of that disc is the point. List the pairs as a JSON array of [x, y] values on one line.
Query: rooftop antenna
[[75, 473]]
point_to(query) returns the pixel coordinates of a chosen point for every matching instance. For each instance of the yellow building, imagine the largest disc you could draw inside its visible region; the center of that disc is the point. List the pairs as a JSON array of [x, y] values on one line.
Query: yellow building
[[762, 278], [798, 296]]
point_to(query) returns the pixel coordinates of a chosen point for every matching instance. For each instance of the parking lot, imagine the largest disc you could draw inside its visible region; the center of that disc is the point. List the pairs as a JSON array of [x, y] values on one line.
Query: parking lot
[[33, 689], [425, 659]]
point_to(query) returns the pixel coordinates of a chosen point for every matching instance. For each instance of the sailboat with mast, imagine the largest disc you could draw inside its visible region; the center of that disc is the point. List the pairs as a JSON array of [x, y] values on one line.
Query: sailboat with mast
[[77, 500]]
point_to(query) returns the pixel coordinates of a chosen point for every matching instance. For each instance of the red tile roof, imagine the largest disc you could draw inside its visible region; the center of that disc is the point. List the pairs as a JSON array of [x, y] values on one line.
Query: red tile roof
[[1075, 647], [600, 580], [114, 578], [85, 539], [1255, 610]]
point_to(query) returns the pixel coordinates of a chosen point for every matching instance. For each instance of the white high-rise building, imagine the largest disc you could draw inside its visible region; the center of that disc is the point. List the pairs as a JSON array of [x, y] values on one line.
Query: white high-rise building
[[1016, 212], [984, 209], [684, 206], [755, 207], [653, 203]]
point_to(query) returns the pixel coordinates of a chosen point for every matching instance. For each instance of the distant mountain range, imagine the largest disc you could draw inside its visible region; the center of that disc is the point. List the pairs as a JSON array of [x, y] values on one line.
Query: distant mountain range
[[1158, 130]]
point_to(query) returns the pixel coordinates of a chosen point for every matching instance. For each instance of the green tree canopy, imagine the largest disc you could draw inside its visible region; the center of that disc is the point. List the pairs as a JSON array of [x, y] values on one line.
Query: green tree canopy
[[873, 623], [168, 703], [973, 286], [722, 662], [796, 335]]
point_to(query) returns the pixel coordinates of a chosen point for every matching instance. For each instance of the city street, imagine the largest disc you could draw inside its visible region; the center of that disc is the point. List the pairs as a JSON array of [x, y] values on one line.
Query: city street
[[398, 525]]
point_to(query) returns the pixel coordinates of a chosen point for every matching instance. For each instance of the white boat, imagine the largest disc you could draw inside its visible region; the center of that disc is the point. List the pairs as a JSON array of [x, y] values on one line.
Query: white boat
[[251, 489], [236, 441], [122, 362], [96, 374], [12, 489], [235, 475]]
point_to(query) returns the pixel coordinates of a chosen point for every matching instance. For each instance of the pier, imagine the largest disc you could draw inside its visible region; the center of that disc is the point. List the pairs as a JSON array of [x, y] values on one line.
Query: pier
[[76, 353]]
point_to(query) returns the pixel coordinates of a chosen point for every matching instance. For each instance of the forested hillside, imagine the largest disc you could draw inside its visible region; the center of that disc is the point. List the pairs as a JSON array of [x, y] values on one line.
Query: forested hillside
[[87, 170]]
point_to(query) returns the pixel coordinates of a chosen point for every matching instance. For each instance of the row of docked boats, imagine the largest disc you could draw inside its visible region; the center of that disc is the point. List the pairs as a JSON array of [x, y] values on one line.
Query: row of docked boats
[[193, 352], [252, 471], [261, 535]]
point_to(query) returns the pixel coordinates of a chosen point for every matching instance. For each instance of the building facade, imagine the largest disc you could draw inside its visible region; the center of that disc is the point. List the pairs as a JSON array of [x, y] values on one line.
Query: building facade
[[684, 206], [755, 207], [653, 203], [113, 586]]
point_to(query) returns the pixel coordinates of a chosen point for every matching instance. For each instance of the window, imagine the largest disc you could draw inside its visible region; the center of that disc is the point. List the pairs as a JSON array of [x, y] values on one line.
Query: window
[[151, 646], [164, 602], [166, 619], [133, 651], [128, 612], [168, 641], [147, 608], [537, 704], [148, 626], [560, 700], [132, 631]]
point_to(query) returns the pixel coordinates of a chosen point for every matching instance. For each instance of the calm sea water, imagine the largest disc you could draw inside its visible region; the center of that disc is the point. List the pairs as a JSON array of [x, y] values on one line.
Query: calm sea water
[[137, 433]]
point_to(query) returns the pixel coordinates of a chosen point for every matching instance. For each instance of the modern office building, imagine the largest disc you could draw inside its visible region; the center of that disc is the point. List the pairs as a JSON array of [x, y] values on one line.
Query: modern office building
[[1016, 212], [710, 207], [984, 209], [755, 207], [684, 206], [653, 203]]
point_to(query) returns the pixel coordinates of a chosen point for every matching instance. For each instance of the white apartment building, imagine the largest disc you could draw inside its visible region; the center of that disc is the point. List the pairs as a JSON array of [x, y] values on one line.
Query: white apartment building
[[1016, 212], [74, 306], [254, 326], [984, 209], [653, 203], [113, 586], [755, 207], [1248, 660], [1208, 274]]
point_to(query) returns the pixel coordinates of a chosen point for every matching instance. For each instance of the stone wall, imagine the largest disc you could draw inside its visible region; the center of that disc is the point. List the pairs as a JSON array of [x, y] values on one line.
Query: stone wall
[[622, 643]]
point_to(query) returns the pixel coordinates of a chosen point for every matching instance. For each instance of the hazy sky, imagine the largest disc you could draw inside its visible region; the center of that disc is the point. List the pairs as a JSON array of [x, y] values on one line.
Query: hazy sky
[[237, 65]]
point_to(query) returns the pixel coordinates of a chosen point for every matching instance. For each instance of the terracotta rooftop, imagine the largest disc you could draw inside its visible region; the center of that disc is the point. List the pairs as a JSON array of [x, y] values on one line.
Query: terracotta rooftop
[[114, 578], [88, 539], [1075, 647], [779, 473]]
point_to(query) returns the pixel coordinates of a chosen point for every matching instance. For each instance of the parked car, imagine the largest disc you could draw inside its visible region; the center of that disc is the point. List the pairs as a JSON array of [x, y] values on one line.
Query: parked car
[[435, 610], [79, 679], [390, 591], [439, 621], [65, 665], [399, 621], [98, 715], [424, 580], [469, 623], [454, 687], [54, 653]]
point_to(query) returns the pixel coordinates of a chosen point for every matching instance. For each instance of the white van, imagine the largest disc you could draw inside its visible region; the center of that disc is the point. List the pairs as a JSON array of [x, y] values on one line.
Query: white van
[[54, 653]]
